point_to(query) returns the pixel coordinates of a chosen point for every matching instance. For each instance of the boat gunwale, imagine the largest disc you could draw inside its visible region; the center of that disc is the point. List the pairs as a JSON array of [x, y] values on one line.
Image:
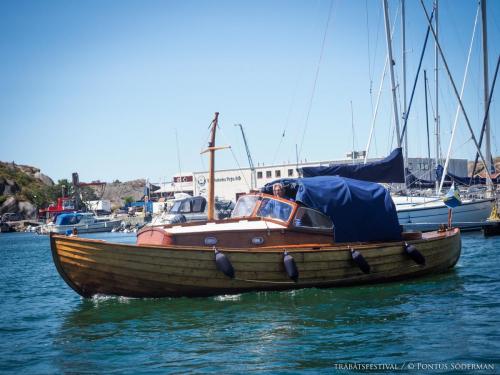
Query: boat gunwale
[[300, 248]]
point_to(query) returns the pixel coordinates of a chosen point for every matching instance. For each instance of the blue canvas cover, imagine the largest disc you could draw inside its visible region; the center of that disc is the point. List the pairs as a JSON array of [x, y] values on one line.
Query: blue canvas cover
[[67, 219], [361, 211], [388, 170], [464, 181]]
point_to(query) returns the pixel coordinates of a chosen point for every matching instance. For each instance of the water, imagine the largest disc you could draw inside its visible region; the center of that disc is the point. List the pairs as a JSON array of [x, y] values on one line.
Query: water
[[448, 320]]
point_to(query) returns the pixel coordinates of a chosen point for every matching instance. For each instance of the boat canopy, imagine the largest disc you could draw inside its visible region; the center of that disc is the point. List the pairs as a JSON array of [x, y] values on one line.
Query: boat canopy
[[68, 219], [361, 211], [464, 181], [388, 170]]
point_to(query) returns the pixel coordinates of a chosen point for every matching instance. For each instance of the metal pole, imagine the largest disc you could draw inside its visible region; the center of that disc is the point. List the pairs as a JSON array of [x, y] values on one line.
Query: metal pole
[[436, 79], [455, 91], [403, 47], [427, 124], [391, 66], [486, 93]]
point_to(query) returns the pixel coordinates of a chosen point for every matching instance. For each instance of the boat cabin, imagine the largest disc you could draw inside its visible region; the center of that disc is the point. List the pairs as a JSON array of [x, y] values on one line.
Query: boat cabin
[[258, 220]]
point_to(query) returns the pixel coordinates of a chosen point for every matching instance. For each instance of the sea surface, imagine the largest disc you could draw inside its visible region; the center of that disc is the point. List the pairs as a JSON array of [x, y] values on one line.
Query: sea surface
[[439, 324]]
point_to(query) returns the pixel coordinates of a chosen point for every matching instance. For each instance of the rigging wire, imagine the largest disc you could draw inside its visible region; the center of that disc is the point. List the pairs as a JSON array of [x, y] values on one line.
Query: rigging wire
[[316, 77], [370, 75], [448, 154], [374, 117], [294, 96]]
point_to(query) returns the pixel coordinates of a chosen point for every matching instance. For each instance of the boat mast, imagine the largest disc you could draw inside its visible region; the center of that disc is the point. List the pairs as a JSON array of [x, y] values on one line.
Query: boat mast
[[211, 148], [427, 124], [403, 51], [436, 79], [391, 66], [486, 94]]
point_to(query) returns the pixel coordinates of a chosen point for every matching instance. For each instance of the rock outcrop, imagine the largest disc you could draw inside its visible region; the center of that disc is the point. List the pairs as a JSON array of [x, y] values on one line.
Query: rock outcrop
[[117, 191]]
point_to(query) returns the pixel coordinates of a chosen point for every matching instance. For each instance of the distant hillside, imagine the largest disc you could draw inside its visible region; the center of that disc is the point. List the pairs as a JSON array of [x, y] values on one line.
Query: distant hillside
[[22, 188], [117, 191]]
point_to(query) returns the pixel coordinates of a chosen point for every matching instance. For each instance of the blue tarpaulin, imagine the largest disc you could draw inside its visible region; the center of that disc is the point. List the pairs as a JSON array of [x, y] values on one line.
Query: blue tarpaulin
[[68, 219], [388, 170], [361, 211], [464, 181]]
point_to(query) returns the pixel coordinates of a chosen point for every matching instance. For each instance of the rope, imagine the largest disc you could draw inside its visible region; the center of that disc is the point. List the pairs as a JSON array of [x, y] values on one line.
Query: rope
[[448, 154], [316, 77], [384, 71]]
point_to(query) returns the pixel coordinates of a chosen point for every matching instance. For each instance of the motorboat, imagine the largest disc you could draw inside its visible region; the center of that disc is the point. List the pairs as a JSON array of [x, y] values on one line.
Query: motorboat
[[327, 231], [83, 222]]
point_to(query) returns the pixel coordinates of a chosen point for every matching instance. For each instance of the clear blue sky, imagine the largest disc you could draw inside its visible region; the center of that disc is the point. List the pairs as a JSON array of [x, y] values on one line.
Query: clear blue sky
[[102, 87]]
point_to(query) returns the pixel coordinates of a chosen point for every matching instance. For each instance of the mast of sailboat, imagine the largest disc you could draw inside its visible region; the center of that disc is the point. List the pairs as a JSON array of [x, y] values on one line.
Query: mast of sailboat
[[393, 82], [427, 124], [403, 52], [454, 87], [436, 79], [486, 93], [391, 69]]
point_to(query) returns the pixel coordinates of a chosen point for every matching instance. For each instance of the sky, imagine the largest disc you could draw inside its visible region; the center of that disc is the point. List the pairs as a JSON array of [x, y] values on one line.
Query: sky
[[121, 89]]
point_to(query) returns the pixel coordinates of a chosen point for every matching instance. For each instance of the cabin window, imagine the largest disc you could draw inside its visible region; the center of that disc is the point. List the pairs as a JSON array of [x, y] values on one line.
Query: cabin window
[[259, 174], [198, 205], [277, 173], [308, 218], [186, 206], [275, 209], [290, 172], [268, 174], [245, 206]]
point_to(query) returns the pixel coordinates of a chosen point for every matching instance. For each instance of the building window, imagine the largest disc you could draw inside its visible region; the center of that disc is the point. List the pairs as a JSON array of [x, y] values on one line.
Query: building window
[[277, 173], [268, 174], [290, 172], [259, 174]]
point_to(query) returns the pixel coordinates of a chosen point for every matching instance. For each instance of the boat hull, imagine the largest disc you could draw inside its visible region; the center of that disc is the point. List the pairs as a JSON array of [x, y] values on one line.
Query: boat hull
[[98, 227], [429, 216], [93, 267]]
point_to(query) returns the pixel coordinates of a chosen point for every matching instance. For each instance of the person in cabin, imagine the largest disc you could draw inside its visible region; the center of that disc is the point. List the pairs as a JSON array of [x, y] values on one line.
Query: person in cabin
[[275, 209], [279, 191]]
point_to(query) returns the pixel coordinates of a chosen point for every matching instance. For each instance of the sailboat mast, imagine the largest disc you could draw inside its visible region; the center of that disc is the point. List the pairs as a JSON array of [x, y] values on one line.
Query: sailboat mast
[[403, 51], [427, 124], [391, 68], [436, 80], [486, 92]]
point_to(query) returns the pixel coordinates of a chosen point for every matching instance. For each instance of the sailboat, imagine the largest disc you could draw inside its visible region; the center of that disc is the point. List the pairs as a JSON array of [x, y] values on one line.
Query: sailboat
[[415, 213], [325, 232]]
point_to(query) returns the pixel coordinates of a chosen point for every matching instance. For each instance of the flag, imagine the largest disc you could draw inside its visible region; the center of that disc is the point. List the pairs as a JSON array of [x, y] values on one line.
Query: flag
[[452, 198]]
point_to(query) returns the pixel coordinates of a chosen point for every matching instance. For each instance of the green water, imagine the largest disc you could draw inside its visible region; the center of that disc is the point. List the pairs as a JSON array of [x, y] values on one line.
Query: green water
[[450, 321]]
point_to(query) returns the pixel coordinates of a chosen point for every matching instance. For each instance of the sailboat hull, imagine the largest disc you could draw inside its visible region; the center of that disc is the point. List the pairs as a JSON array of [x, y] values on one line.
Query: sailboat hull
[[93, 267], [429, 216]]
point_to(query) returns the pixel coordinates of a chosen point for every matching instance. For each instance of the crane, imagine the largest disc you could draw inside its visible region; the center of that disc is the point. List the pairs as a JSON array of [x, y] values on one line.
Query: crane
[[253, 180]]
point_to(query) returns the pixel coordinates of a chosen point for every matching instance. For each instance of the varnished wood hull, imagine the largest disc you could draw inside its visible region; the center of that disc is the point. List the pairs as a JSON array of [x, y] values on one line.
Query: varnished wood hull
[[93, 267]]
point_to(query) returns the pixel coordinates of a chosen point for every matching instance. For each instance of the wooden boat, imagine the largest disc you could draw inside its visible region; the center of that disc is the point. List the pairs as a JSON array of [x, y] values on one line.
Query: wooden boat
[[269, 243], [93, 267]]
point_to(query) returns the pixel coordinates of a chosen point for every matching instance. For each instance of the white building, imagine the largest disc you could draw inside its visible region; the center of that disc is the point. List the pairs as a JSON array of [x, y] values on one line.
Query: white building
[[230, 183]]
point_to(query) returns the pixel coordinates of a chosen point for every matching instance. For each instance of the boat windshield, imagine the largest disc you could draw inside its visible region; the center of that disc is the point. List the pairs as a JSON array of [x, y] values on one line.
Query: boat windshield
[[180, 207], [275, 209], [245, 206]]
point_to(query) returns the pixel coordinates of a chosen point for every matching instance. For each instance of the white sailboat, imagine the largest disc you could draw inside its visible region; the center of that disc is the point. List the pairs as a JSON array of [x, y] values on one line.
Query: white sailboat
[[428, 213]]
